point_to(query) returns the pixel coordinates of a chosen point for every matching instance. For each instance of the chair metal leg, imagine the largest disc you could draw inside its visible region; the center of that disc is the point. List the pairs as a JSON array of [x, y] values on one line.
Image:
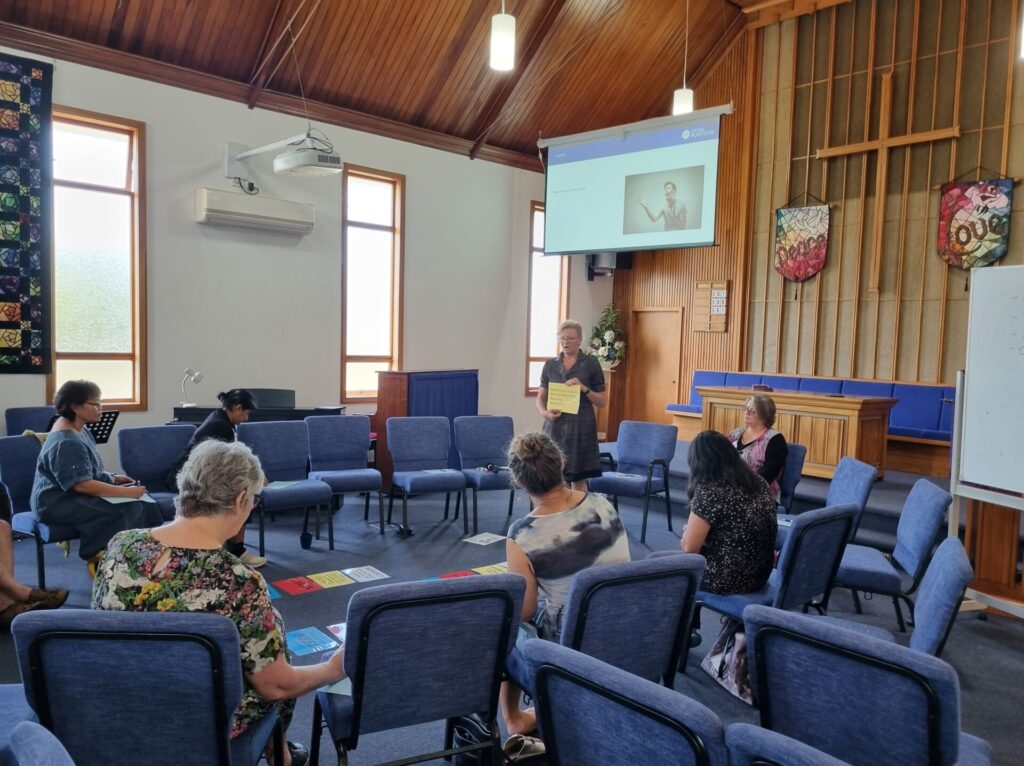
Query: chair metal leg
[[511, 501], [314, 738], [330, 526], [380, 507], [391, 503], [899, 614], [474, 514], [643, 525], [447, 502], [405, 514], [856, 601], [40, 564], [911, 622], [366, 508], [668, 507]]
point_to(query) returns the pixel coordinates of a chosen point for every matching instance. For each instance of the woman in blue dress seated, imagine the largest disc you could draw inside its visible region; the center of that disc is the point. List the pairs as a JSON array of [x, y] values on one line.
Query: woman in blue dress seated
[[71, 488]]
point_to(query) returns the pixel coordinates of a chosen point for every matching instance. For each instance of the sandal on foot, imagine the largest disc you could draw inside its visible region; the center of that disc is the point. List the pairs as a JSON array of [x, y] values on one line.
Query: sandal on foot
[[7, 615], [520, 747], [48, 599]]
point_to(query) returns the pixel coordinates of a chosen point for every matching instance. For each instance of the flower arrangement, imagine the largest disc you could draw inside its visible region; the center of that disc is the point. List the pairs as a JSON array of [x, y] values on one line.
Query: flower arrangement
[[606, 341]]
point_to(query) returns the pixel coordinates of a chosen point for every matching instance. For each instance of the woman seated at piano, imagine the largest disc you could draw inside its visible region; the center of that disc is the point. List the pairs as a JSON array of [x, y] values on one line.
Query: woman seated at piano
[[761, 446]]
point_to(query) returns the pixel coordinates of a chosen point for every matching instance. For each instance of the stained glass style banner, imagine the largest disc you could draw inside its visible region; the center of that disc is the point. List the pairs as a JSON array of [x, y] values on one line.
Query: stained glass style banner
[[26, 214]]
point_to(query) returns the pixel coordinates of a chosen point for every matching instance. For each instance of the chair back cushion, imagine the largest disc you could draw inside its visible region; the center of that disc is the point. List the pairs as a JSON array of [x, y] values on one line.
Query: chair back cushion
[[21, 419], [426, 651], [919, 407], [938, 601], [593, 713], [483, 439], [18, 456], [99, 681], [791, 471], [639, 443], [920, 521], [338, 442], [811, 554], [753, 746], [281, 445], [32, 744], [851, 484], [148, 452], [419, 443], [858, 698], [704, 378], [634, 615]]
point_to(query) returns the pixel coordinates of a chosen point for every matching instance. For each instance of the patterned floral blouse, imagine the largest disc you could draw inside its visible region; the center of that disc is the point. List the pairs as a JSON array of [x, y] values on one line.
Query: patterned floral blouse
[[195, 581]]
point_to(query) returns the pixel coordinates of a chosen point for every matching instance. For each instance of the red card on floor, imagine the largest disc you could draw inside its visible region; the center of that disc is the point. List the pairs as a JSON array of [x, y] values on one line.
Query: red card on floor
[[462, 573], [296, 586]]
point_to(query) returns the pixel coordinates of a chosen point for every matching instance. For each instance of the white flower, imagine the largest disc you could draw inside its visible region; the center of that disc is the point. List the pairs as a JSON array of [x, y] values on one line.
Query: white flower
[[603, 351], [609, 336], [619, 344]]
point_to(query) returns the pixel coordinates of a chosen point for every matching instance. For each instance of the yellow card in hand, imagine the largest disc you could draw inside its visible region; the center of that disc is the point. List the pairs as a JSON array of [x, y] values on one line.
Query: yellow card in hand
[[564, 398]]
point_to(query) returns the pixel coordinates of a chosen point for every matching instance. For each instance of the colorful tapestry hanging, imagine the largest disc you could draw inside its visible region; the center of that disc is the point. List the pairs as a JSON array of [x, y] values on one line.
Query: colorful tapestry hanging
[[26, 214], [974, 222], [801, 239]]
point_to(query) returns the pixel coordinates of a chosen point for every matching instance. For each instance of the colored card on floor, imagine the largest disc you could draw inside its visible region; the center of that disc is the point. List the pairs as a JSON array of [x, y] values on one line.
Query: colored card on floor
[[274, 592], [484, 538], [365, 574], [280, 484], [492, 569], [429, 579], [308, 641], [338, 631], [460, 573], [330, 579], [295, 586]]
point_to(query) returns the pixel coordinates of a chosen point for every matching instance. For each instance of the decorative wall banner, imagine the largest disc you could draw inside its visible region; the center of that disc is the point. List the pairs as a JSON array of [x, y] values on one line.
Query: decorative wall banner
[[974, 222], [801, 240], [26, 214]]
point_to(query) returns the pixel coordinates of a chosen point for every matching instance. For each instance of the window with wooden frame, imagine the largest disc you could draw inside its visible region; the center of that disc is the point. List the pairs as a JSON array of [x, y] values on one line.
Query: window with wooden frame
[[371, 279], [99, 255], [548, 303]]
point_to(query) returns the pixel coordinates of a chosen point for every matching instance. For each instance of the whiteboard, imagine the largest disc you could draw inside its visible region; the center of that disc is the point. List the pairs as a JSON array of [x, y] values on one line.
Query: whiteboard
[[992, 442]]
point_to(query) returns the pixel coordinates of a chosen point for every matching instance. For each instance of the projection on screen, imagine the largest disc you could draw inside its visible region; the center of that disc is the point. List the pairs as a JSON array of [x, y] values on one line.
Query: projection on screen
[[646, 186]]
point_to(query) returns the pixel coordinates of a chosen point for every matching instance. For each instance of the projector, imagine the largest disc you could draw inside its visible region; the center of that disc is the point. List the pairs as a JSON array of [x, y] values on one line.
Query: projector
[[307, 161]]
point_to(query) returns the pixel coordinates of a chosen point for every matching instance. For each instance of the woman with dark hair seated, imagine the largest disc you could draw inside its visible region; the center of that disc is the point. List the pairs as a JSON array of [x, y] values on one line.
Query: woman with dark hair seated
[[566, 532], [762, 447], [236, 406], [183, 567], [71, 488], [732, 517]]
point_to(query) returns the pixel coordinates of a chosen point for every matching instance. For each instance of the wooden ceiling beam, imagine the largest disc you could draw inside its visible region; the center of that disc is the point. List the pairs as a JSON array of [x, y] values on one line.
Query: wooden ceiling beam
[[261, 81], [499, 99], [90, 54], [761, 13], [257, 64], [117, 25]]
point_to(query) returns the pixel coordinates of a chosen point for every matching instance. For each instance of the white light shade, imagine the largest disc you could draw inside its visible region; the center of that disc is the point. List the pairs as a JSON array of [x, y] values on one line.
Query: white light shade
[[503, 42], [682, 101]]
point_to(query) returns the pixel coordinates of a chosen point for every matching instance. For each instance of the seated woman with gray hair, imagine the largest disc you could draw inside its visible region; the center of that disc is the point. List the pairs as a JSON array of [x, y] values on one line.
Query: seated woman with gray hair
[[762, 448], [183, 567]]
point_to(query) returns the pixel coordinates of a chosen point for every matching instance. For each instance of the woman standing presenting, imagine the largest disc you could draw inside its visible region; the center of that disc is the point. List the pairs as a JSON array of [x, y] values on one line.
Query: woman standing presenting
[[575, 434]]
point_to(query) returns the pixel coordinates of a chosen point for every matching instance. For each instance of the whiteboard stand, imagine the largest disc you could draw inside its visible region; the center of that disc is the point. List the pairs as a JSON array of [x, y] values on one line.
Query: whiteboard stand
[[962, 492]]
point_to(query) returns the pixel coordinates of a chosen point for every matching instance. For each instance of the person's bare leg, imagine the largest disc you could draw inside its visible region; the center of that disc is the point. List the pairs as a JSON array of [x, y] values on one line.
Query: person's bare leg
[[10, 589], [517, 720]]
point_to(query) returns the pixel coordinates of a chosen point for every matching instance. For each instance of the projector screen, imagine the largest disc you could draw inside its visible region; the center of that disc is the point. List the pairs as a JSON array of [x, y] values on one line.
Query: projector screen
[[646, 186]]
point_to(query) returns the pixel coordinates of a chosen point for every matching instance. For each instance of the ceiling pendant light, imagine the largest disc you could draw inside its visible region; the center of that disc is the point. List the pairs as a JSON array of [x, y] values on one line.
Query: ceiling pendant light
[[503, 40], [682, 98]]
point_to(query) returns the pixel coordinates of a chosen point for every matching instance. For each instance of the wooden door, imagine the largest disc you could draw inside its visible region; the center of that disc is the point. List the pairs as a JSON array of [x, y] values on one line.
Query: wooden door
[[653, 363]]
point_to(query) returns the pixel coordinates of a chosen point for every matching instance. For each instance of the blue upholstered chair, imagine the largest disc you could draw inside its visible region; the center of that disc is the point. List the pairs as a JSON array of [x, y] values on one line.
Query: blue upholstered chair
[[147, 454], [422, 651], [337, 457], [851, 484], [283, 449], [419, 449], [98, 680], [14, 710], [791, 472], [482, 440], [806, 567], [18, 457], [866, 569], [593, 713], [855, 697], [32, 744], [20, 419], [753, 746], [644, 452]]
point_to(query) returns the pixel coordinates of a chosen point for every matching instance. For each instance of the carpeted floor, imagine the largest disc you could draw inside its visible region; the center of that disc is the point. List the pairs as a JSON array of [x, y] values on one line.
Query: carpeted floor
[[988, 654]]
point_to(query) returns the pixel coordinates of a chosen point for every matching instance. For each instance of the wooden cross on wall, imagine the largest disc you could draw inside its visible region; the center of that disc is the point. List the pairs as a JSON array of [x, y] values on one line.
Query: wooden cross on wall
[[882, 145]]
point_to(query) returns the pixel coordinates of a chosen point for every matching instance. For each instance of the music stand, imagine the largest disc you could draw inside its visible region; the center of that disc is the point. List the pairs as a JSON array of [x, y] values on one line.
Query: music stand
[[101, 429]]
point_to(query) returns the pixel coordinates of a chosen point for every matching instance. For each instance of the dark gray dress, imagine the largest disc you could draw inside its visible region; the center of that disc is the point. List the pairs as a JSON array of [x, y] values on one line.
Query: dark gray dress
[[576, 434]]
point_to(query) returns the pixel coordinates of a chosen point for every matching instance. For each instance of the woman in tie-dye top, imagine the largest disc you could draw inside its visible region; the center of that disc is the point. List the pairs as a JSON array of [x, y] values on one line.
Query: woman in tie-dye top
[[566, 532], [761, 446]]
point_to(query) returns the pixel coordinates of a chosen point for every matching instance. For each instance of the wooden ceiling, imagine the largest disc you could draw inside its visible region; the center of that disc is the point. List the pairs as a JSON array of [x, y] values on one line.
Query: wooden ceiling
[[412, 69]]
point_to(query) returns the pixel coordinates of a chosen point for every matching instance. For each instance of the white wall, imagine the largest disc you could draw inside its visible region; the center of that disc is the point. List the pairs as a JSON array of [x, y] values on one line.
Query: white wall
[[263, 310]]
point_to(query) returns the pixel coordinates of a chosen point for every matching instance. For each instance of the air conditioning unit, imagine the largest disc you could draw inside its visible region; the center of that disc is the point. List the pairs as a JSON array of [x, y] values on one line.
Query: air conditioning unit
[[221, 208]]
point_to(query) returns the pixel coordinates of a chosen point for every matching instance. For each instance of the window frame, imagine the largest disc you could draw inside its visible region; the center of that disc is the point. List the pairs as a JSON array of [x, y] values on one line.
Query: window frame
[[563, 296], [135, 189], [397, 229]]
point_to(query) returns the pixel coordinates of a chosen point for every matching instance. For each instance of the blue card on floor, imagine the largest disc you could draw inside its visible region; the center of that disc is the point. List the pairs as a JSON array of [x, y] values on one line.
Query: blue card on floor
[[308, 641]]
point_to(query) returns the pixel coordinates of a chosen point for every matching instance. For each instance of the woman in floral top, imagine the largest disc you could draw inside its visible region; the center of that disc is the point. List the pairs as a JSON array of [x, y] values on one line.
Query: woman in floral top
[[182, 567]]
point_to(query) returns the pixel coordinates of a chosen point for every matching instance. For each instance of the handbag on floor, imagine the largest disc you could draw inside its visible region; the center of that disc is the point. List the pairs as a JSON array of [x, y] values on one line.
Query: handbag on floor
[[471, 730], [726, 662]]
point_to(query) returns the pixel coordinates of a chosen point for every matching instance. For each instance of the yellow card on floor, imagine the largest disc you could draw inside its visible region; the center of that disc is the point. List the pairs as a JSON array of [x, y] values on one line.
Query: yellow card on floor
[[330, 579], [564, 398], [491, 569]]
